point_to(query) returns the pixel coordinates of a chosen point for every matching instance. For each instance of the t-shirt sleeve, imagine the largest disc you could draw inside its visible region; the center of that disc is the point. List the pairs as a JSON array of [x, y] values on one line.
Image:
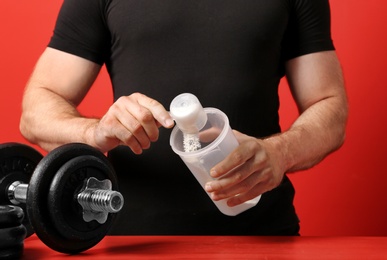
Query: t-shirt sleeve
[[81, 30], [309, 28]]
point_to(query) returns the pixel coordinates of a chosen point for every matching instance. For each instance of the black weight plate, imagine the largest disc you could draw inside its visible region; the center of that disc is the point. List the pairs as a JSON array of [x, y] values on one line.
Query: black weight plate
[[39, 189], [10, 216], [66, 212], [12, 236], [17, 163], [15, 252]]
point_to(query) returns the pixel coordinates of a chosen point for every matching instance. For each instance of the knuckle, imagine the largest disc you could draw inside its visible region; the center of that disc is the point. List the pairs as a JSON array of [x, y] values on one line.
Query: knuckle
[[137, 94], [221, 187], [238, 177], [218, 186], [265, 175], [135, 127], [236, 200], [125, 140], [106, 125], [120, 100], [153, 136], [237, 157], [126, 137], [255, 146], [153, 103], [244, 187], [146, 116], [133, 96], [113, 109], [248, 185]]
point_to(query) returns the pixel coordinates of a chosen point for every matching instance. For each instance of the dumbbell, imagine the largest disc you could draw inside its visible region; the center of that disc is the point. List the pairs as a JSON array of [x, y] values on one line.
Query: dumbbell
[[70, 196], [12, 232]]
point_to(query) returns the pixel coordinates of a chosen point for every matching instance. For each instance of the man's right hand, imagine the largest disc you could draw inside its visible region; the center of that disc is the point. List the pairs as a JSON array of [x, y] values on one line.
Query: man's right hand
[[50, 118], [133, 121]]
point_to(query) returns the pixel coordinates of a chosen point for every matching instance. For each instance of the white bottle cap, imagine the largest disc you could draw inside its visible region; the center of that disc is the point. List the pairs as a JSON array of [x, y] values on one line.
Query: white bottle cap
[[188, 113]]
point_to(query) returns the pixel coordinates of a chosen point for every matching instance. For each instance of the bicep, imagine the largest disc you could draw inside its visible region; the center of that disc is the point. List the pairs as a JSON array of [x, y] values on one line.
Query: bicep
[[63, 74], [315, 77]]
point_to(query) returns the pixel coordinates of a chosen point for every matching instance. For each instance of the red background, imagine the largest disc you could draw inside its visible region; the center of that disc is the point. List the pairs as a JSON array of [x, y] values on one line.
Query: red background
[[344, 195]]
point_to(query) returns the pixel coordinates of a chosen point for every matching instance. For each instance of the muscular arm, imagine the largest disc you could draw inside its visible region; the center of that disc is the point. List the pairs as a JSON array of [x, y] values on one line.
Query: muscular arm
[[57, 85], [50, 118], [317, 86], [257, 166]]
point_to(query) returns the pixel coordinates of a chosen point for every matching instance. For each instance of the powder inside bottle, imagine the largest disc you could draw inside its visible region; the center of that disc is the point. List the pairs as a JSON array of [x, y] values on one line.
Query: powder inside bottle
[[191, 142]]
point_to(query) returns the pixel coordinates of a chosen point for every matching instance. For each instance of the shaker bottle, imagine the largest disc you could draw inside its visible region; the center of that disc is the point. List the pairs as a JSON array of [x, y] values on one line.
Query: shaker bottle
[[202, 138]]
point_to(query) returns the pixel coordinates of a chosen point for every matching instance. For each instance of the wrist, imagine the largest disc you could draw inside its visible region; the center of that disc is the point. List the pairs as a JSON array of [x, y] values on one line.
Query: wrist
[[280, 148], [88, 136]]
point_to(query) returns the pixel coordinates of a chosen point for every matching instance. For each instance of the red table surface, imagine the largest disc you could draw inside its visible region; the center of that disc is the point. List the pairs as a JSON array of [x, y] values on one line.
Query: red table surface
[[220, 247]]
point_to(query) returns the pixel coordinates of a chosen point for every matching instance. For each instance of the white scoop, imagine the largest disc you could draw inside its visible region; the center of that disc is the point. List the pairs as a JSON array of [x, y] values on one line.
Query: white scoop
[[188, 113]]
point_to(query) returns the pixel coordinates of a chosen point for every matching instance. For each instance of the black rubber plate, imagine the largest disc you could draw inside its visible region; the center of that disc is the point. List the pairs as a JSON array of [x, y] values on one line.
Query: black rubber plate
[[17, 163], [38, 193]]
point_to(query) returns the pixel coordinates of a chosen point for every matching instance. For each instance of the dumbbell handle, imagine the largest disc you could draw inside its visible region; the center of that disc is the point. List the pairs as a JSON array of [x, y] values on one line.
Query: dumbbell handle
[[17, 192], [93, 200]]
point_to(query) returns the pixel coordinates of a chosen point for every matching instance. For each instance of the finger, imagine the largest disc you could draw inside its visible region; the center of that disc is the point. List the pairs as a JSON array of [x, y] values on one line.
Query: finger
[[127, 138], [125, 111], [209, 135], [143, 124], [157, 109], [251, 182], [242, 198], [111, 132], [240, 136], [240, 155], [135, 130], [232, 178]]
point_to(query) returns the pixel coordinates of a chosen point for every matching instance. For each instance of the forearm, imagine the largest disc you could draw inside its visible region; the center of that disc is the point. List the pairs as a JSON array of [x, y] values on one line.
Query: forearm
[[50, 121], [57, 85], [318, 131], [258, 166]]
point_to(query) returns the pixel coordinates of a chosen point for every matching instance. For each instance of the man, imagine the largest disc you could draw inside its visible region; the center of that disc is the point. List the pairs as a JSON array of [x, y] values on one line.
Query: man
[[231, 55]]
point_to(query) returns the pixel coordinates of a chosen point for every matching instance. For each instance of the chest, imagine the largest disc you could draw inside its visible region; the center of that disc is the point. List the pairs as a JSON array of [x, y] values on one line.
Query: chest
[[197, 22]]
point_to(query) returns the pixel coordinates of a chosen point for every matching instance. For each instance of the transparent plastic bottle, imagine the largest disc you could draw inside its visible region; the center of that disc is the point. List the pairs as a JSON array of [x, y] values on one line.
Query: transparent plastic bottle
[[202, 138]]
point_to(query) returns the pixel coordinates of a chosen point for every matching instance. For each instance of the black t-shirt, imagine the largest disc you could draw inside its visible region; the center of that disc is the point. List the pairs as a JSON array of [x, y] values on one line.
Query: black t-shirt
[[231, 55]]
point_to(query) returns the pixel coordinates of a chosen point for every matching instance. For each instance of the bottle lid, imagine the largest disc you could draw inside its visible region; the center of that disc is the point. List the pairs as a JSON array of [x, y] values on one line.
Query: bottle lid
[[188, 113]]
